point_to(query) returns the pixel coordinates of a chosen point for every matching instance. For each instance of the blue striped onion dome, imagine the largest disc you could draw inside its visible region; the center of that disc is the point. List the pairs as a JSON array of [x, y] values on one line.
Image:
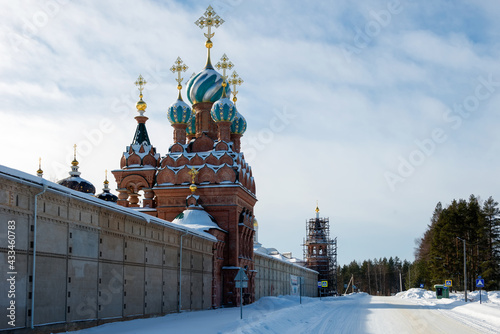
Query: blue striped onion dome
[[179, 112], [191, 128], [239, 124], [223, 110], [205, 86]]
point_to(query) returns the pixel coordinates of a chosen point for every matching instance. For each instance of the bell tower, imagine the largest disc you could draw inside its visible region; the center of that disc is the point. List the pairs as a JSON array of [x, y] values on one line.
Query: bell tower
[[320, 252]]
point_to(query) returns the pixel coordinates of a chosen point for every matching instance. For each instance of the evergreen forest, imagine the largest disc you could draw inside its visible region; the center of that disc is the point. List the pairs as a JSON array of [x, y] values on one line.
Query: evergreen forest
[[439, 253]]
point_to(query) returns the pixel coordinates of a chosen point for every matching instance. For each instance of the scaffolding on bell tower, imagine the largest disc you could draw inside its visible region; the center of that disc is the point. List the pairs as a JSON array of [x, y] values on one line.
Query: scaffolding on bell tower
[[320, 252]]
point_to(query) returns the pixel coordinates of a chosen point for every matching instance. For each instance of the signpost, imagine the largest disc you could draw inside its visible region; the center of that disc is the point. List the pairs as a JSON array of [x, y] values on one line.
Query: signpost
[[480, 285], [421, 285], [241, 281]]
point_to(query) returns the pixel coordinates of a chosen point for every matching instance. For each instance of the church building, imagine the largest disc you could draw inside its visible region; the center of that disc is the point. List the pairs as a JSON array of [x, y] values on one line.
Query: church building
[[181, 229]]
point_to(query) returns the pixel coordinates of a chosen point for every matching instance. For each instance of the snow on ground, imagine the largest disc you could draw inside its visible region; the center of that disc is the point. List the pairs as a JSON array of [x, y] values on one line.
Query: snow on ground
[[413, 311], [484, 313]]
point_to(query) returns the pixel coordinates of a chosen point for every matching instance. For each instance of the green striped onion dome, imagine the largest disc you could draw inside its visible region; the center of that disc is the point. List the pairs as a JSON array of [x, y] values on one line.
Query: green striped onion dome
[[205, 86], [223, 110], [179, 112], [239, 124]]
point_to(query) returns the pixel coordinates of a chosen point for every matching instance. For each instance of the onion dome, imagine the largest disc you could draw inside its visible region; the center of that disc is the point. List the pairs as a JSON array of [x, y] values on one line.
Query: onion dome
[[179, 112], [239, 124], [74, 181], [39, 172], [106, 195], [191, 126], [223, 110], [206, 86]]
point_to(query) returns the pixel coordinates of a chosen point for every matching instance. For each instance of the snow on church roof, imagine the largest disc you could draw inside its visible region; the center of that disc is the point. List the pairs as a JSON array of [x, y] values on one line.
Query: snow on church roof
[[33, 180], [197, 219]]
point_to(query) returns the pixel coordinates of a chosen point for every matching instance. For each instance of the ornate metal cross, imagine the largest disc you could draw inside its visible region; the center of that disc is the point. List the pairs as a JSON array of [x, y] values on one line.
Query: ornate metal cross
[[224, 64], [179, 67], [141, 83], [235, 80], [193, 172], [210, 19]]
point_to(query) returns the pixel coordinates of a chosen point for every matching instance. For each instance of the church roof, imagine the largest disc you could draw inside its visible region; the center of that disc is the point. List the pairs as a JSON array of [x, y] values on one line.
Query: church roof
[[197, 218]]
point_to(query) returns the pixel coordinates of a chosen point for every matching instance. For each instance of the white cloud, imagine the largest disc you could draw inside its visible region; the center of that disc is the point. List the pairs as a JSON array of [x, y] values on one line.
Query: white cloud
[[352, 118]]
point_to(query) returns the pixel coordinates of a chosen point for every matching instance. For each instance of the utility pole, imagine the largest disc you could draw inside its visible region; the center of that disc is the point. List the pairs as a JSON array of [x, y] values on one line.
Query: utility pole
[[400, 282], [465, 270]]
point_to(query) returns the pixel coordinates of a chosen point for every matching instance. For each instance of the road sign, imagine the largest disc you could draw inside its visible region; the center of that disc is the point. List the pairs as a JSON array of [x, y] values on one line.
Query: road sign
[[447, 282], [421, 285], [319, 284], [480, 283], [324, 284], [241, 276], [241, 284]]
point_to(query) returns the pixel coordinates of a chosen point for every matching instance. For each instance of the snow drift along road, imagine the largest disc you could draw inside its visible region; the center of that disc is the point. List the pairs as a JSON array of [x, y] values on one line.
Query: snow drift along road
[[413, 311]]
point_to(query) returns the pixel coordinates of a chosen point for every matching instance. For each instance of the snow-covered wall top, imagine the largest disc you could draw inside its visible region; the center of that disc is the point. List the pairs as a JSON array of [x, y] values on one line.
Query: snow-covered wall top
[[37, 181]]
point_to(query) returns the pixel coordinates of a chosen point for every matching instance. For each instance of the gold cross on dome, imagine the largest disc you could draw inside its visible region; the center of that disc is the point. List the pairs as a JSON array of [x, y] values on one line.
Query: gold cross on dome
[[224, 64], [193, 172], [74, 151], [141, 83], [210, 19], [179, 67], [235, 80]]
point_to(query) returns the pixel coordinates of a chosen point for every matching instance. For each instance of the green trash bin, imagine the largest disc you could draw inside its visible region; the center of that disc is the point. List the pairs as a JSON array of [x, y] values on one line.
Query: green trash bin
[[442, 291]]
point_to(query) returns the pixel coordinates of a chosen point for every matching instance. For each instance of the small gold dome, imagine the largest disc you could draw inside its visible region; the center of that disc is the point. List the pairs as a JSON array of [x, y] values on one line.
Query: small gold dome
[[141, 105], [193, 187]]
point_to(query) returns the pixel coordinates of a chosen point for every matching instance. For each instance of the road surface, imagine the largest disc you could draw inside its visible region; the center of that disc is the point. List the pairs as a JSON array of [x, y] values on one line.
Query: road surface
[[353, 314]]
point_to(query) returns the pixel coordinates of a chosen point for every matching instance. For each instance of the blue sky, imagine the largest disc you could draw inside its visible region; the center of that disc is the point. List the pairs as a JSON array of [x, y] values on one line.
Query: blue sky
[[377, 109]]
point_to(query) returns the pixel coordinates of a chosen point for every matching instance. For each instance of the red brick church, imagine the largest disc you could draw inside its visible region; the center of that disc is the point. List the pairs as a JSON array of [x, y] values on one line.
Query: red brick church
[[203, 181]]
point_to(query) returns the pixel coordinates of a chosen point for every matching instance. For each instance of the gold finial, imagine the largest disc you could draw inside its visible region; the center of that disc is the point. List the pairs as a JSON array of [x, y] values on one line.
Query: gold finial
[[179, 67], [141, 105], [210, 19], [235, 81], [193, 172], [106, 177], [74, 162], [317, 207], [39, 172], [224, 64]]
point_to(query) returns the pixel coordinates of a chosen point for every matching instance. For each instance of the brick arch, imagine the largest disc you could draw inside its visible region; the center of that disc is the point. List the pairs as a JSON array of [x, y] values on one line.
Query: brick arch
[[206, 174], [165, 176], [225, 173], [212, 160], [167, 161], [134, 183], [149, 160], [181, 161], [226, 159], [183, 176], [196, 160], [133, 159]]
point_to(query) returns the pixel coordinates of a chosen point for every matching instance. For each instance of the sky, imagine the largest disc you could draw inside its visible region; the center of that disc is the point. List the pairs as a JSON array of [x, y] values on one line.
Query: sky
[[375, 110]]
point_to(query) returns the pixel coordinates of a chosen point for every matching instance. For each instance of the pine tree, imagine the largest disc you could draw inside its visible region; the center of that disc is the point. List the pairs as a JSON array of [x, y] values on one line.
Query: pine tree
[[490, 265]]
